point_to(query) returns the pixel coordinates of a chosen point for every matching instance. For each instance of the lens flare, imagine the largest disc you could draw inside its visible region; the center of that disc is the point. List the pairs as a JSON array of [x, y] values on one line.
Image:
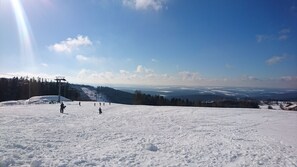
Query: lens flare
[[25, 35]]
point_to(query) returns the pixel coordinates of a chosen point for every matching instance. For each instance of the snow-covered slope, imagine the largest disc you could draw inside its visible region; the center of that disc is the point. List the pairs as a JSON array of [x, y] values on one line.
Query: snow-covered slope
[[124, 135], [90, 93]]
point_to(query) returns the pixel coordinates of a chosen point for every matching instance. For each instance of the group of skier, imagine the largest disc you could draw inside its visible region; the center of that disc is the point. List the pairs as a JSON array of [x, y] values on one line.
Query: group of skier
[[62, 107]]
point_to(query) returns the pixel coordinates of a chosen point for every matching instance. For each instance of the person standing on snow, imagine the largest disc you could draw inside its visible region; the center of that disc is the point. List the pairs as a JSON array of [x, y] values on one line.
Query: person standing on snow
[[100, 110], [62, 107]]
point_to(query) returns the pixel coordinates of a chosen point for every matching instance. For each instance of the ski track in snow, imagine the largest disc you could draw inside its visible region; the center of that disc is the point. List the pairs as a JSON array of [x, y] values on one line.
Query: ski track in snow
[[126, 135]]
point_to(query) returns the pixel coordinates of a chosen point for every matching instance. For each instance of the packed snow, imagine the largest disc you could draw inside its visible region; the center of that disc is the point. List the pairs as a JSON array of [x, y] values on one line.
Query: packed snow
[[127, 135]]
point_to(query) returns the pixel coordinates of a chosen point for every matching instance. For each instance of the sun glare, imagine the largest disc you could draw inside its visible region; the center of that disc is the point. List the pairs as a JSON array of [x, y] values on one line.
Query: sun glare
[[25, 35]]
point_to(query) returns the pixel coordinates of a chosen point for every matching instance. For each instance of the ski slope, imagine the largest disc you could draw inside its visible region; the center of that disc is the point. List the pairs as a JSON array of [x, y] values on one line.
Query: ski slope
[[126, 135], [92, 94]]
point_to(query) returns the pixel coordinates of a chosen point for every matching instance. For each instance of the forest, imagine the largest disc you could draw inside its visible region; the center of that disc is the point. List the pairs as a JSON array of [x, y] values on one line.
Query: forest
[[144, 99], [23, 88]]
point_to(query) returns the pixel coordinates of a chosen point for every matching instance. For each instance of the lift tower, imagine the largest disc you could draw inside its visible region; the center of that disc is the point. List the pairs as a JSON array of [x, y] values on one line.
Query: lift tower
[[59, 79]]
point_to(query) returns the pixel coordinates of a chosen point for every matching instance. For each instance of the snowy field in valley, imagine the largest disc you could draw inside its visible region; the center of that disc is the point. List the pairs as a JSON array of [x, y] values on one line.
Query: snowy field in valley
[[126, 135]]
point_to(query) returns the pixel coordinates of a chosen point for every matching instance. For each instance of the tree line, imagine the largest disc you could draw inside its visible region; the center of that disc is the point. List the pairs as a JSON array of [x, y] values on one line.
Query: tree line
[[24, 87], [145, 99]]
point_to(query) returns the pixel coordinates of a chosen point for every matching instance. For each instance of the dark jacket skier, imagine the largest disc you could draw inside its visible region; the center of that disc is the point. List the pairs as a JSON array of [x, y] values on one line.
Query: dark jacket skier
[[100, 110], [62, 107]]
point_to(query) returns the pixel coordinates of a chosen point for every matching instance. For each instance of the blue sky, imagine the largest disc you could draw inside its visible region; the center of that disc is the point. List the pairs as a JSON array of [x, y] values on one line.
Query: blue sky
[[152, 42]]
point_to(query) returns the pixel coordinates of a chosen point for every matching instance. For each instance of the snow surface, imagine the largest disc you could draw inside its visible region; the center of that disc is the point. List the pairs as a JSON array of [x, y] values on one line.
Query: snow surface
[[127, 135]]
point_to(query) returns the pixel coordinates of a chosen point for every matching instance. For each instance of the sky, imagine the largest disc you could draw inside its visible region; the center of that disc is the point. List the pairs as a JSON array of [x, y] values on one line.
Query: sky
[[191, 43]]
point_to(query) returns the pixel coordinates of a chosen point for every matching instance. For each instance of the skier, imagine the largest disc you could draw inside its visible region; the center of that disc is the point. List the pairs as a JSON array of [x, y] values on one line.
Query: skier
[[62, 107], [79, 103], [100, 110]]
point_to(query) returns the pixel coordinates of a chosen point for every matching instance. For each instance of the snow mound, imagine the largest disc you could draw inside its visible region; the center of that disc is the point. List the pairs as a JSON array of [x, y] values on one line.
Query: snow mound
[[46, 99], [35, 100], [11, 102], [273, 106]]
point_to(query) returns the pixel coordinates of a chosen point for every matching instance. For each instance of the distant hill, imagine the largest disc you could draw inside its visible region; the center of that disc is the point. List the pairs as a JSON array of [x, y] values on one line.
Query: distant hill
[[83, 96], [265, 96], [205, 97], [221, 93], [116, 96], [106, 94]]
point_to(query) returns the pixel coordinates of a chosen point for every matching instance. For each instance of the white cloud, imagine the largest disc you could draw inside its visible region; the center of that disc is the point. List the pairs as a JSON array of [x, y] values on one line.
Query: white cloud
[[145, 4], [189, 76], [154, 60], [90, 76], [28, 74], [185, 78], [124, 72], [283, 37], [249, 78], [261, 38], [82, 58], [128, 60], [90, 59], [285, 31], [275, 59], [289, 78], [70, 44], [141, 69], [283, 34], [44, 64]]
